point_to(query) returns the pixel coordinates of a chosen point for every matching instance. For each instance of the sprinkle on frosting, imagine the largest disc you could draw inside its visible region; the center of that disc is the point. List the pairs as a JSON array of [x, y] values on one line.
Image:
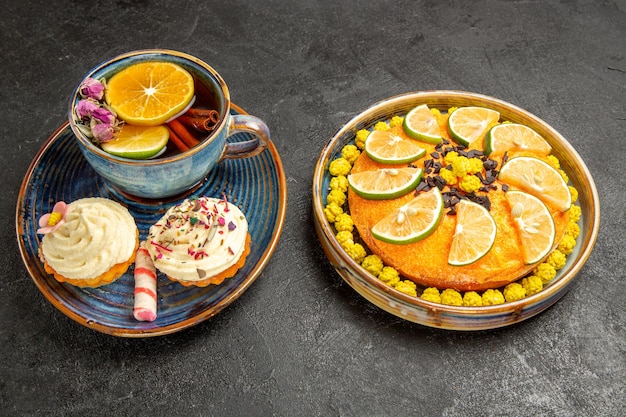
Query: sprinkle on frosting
[[198, 238]]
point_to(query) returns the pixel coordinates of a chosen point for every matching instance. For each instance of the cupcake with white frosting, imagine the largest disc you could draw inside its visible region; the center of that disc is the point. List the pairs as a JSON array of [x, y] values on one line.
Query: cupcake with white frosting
[[199, 242], [89, 242]]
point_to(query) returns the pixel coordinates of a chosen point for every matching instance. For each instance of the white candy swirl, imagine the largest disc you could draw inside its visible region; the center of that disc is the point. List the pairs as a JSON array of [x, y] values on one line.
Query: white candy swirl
[[97, 234], [198, 239]]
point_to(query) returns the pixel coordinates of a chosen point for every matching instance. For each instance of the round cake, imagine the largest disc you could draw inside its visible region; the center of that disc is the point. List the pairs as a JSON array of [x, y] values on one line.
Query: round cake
[[89, 242], [200, 241], [426, 261], [470, 160]]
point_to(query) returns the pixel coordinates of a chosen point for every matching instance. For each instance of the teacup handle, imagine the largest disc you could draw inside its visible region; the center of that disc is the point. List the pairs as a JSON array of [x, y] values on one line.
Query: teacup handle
[[248, 148]]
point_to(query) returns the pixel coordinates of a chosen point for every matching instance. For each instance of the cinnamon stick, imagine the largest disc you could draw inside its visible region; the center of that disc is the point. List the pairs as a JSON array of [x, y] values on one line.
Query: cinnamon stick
[[176, 140], [201, 124], [182, 132], [206, 113]]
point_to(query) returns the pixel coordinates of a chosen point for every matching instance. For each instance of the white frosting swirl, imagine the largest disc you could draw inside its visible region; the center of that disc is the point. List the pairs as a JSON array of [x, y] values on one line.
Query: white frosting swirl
[[198, 239], [97, 234]]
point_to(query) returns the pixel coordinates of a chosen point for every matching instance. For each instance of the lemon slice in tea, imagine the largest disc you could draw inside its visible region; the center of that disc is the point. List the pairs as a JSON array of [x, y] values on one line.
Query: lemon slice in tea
[[414, 221], [534, 224], [388, 148], [386, 183], [515, 137], [469, 124], [421, 124], [539, 179], [149, 93], [138, 142]]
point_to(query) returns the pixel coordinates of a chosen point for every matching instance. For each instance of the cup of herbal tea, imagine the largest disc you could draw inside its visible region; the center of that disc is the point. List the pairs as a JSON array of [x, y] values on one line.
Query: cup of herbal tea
[[153, 123]]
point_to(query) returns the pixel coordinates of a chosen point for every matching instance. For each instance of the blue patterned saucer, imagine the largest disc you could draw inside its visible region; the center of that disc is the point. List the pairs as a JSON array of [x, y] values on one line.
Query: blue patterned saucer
[[256, 185]]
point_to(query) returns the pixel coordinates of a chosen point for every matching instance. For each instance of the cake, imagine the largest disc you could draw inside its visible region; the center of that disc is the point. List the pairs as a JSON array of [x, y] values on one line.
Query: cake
[[425, 261], [89, 242], [200, 241]]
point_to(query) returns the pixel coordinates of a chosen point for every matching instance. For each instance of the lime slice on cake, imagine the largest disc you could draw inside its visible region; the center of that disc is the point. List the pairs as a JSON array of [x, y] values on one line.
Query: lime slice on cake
[[534, 224], [515, 137], [421, 124], [388, 148], [469, 124], [138, 142], [474, 234], [539, 179], [386, 183], [412, 222]]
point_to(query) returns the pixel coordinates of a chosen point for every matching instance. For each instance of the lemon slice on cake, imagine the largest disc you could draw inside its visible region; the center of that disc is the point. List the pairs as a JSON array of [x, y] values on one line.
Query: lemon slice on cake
[[386, 183], [391, 149], [421, 124], [414, 221], [515, 137], [534, 224], [467, 125], [474, 233], [539, 179]]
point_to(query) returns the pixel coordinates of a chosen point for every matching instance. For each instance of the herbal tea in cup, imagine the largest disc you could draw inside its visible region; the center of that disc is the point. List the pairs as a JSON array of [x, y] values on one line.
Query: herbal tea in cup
[[153, 123]]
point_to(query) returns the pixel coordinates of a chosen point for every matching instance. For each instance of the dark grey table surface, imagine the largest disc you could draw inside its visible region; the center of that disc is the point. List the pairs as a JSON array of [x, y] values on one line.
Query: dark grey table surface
[[300, 341]]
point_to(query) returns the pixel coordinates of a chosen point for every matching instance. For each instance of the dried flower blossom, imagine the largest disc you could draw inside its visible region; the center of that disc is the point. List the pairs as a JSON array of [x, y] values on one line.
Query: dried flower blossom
[[103, 115], [96, 120], [49, 222], [103, 132], [92, 88], [85, 108]]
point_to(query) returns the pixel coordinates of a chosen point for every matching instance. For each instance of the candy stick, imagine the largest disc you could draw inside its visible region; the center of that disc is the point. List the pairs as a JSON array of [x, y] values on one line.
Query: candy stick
[[145, 287]]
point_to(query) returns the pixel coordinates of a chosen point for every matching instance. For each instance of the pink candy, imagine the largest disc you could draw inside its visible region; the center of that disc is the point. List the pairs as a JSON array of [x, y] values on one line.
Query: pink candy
[[145, 287]]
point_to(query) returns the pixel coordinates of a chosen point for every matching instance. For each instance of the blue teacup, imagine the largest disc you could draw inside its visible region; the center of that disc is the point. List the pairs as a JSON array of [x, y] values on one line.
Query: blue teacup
[[169, 176]]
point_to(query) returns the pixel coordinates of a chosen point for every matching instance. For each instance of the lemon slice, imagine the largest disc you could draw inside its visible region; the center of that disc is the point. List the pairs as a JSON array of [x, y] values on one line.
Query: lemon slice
[[412, 222], [534, 225], [469, 124], [421, 124], [388, 148], [539, 179], [386, 183], [474, 234], [515, 137], [138, 142], [149, 93]]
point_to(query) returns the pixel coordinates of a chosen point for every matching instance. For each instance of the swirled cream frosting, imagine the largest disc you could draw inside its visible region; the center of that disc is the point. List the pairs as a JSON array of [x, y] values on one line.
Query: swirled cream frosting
[[97, 234], [198, 239]]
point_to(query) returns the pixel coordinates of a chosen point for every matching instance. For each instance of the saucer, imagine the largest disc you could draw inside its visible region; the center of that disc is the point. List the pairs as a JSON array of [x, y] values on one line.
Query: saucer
[[257, 185]]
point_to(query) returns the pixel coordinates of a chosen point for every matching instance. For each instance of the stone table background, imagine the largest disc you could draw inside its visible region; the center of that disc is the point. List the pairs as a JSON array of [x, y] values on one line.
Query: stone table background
[[300, 341]]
